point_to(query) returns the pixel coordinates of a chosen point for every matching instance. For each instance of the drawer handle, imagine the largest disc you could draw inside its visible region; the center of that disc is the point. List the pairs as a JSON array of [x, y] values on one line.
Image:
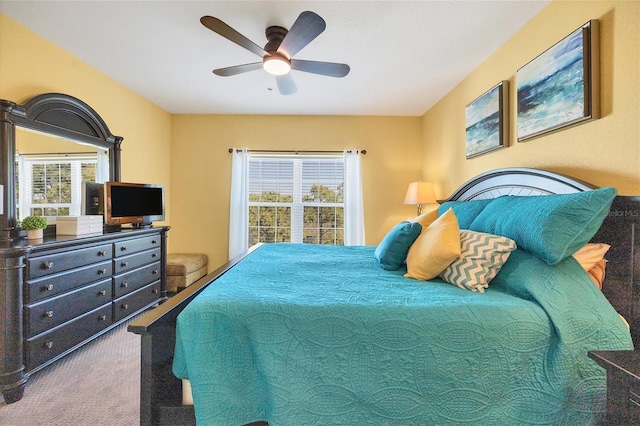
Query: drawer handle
[[102, 253], [154, 242], [48, 314], [48, 345], [155, 271], [125, 306], [102, 293], [48, 265], [49, 287], [155, 290], [103, 317], [102, 271], [154, 254], [124, 285], [124, 264], [123, 248]]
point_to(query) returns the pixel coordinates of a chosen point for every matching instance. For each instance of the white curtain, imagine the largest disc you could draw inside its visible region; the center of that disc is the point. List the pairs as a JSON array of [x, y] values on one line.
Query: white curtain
[[102, 166], [353, 206], [239, 205]]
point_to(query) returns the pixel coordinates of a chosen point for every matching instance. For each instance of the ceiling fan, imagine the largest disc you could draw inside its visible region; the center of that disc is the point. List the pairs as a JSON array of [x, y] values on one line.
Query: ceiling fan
[[277, 55]]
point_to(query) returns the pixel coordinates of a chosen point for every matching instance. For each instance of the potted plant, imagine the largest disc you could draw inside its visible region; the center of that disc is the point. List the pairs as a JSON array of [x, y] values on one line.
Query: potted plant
[[34, 226]]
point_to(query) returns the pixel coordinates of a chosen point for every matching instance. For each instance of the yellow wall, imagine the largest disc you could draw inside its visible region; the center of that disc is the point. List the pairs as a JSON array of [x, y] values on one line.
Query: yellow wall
[[201, 167], [31, 65], [604, 152], [30, 142]]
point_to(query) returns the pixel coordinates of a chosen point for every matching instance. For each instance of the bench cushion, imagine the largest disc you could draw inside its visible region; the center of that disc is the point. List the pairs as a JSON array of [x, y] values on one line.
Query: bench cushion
[[183, 264], [175, 283]]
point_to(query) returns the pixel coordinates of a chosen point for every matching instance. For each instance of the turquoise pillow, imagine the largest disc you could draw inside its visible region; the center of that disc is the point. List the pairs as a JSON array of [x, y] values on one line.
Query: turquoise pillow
[[465, 211], [551, 227], [392, 251]]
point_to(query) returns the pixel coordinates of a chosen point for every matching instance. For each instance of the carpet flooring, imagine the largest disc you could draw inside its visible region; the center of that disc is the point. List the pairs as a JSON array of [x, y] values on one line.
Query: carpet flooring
[[98, 384]]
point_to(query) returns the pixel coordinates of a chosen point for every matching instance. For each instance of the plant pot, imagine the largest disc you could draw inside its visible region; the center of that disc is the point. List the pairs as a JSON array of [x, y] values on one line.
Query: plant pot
[[34, 234]]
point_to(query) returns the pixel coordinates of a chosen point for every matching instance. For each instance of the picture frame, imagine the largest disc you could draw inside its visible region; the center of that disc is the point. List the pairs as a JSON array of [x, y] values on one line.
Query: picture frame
[[560, 87], [487, 121]]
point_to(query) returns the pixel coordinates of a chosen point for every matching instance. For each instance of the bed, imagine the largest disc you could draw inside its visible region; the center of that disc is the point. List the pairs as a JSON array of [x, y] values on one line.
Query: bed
[[328, 337]]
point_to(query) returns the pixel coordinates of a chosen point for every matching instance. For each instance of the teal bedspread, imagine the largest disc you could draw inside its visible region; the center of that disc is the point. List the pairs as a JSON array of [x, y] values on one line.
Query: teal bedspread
[[318, 335]]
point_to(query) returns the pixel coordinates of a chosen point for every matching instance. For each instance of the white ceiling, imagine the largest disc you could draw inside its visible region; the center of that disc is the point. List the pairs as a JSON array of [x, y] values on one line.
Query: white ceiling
[[404, 55]]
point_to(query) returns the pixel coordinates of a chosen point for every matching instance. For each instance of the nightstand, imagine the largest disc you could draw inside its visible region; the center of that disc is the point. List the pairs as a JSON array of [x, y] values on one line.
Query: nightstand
[[623, 385]]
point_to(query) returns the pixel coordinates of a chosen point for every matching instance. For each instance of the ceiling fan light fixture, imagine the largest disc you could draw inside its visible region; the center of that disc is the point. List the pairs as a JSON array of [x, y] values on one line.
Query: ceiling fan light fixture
[[276, 65], [277, 55]]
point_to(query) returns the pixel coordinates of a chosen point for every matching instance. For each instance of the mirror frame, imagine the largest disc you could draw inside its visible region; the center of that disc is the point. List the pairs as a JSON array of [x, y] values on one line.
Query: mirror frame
[[55, 114]]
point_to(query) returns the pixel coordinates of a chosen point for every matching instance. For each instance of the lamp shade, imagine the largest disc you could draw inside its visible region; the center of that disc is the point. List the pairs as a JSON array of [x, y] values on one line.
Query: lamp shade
[[420, 193]]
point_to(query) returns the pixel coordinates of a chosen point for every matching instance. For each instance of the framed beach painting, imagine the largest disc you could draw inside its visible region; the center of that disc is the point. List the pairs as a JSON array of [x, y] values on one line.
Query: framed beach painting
[[560, 88], [486, 121]]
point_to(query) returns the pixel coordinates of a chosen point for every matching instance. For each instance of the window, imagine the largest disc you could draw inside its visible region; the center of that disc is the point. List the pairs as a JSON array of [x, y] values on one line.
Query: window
[[296, 199], [54, 184]]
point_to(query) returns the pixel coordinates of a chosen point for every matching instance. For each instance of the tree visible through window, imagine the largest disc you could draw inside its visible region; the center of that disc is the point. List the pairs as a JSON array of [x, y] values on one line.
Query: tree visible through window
[[296, 199]]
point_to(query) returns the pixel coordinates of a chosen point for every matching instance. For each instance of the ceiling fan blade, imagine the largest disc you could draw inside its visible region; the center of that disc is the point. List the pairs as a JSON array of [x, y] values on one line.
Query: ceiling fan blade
[[219, 27], [307, 27], [286, 85], [330, 69], [237, 69]]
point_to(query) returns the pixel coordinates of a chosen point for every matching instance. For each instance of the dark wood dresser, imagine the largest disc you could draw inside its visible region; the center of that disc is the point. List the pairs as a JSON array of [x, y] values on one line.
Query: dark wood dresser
[[61, 292], [623, 385], [58, 293]]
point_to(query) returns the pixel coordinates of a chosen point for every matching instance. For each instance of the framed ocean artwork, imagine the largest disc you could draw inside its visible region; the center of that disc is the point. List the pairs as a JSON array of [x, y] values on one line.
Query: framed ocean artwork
[[487, 121], [560, 88]]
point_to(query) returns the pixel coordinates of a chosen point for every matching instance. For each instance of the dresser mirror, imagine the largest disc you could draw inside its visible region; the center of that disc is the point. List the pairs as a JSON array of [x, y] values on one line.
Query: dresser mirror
[[50, 171], [50, 137]]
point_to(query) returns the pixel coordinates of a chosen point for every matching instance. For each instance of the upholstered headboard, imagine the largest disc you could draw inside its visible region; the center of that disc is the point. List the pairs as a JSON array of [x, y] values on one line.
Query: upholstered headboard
[[620, 229]]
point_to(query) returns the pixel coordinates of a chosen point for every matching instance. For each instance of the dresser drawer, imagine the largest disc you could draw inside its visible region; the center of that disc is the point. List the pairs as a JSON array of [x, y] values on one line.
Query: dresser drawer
[[55, 284], [48, 264], [49, 345], [127, 263], [54, 311], [124, 248], [133, 280], [134, 301]]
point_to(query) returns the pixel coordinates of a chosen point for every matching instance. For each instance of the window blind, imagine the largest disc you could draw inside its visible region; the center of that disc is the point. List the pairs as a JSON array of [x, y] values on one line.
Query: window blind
[[54, 184], [295, 198]]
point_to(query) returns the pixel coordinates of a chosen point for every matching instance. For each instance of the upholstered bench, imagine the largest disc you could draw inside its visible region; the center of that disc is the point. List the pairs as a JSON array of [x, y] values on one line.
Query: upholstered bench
[[183, 269]]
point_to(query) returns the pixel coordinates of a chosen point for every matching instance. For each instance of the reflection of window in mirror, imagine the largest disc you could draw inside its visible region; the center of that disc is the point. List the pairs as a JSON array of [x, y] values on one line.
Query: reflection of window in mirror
[[50, 172]]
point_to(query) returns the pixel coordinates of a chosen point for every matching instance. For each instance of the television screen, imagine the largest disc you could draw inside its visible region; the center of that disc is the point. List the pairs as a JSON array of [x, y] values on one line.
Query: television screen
[[133, 203]]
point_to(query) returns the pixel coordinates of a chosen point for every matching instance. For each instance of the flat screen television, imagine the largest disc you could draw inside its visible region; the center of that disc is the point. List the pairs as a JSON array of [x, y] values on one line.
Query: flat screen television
[[133, 203]]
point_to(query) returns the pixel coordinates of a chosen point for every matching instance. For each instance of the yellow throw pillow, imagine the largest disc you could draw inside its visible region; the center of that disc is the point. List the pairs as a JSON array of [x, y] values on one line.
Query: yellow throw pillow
[[425, 219], [590, 254], [597, 273], [436, 248]]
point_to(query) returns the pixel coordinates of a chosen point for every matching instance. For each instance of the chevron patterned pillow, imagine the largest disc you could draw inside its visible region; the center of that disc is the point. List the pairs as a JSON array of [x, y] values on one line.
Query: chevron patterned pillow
[[481, 258]]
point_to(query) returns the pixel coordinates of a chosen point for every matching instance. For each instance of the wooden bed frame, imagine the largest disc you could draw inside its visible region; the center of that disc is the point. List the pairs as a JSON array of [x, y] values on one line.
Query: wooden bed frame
[[161, 391]]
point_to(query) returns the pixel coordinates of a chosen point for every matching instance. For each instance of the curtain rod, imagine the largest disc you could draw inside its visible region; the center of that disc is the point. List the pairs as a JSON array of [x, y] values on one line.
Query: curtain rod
[[61, 154], [289, 151]]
